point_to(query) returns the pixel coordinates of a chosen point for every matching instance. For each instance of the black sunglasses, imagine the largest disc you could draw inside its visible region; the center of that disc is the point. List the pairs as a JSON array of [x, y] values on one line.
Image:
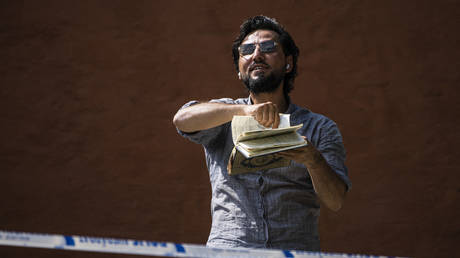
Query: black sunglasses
[[265, 47]]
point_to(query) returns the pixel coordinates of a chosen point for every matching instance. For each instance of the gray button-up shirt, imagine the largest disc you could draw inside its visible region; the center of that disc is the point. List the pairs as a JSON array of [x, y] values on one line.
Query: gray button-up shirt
[[275, 208]]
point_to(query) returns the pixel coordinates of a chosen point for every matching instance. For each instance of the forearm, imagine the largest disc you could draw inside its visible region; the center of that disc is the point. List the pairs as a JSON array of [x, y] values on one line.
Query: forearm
[[206, 115], [327, 184]]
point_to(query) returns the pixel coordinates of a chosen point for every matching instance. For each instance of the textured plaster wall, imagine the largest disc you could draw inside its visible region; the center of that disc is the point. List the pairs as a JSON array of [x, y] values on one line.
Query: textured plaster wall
[[88, 90]]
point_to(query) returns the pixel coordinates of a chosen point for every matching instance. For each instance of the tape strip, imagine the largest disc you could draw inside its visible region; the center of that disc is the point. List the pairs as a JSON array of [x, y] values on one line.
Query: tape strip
[[140, 247]]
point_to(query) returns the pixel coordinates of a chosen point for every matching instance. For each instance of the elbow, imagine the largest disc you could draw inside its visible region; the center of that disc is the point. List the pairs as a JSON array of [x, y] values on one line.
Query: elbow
[[178, 120], [182, 121], [336, 203], [336, 206]]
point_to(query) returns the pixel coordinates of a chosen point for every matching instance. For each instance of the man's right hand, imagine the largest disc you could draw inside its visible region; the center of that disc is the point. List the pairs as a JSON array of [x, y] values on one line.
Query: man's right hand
[[265, 113]]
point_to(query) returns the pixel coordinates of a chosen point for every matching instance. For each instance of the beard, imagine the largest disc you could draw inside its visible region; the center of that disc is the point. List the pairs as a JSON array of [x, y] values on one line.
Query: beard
[[264, 84]]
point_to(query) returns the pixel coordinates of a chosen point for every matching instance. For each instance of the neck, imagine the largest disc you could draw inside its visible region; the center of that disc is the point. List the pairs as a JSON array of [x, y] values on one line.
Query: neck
[[276, 97]]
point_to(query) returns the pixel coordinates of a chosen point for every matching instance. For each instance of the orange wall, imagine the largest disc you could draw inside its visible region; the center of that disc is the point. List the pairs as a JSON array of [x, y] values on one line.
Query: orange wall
[[88, 90]]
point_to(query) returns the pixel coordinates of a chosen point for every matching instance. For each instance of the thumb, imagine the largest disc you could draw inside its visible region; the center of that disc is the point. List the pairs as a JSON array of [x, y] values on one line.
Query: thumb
[[305, 138]]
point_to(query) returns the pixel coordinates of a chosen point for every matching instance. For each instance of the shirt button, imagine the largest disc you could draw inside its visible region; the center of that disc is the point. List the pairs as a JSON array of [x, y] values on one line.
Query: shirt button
[[261, 181]]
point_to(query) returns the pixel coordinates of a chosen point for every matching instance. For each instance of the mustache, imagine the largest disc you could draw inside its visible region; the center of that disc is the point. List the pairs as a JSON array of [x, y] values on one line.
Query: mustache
[[259, 63]]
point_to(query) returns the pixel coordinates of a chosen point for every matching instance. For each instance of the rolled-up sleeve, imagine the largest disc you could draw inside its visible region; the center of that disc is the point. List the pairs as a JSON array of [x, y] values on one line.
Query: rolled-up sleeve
[[205, 137], [332, 148]]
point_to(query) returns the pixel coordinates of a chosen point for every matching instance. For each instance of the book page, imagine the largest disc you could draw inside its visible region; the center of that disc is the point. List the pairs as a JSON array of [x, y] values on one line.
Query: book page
[[241, 124], [265, 152], [282, 140], [267, 133]]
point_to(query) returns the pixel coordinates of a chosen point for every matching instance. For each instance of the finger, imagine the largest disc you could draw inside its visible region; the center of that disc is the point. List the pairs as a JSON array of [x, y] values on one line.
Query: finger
[[293, 153], [289, 152], [259, 114], [285, 155], [282, 154], [276, 123], [305, 138], [264, 116], [271, 116]]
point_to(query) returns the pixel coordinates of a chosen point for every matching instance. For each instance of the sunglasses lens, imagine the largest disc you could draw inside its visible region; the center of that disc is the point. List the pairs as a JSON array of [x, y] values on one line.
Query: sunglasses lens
[[267, 46], [247, 49]]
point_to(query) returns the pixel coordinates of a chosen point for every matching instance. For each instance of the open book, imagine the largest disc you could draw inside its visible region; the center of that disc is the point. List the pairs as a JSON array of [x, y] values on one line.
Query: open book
[[256, 144]]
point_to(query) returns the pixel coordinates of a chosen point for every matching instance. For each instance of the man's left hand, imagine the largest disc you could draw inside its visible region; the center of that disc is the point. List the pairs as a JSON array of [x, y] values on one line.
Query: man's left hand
[[307, 155]]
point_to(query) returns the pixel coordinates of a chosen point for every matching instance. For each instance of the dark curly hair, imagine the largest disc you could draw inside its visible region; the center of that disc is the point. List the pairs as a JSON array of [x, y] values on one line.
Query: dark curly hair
[[289, 47]]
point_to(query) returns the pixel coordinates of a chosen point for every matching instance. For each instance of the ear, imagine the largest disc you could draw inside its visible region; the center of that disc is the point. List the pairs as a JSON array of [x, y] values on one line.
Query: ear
[[289, 64]]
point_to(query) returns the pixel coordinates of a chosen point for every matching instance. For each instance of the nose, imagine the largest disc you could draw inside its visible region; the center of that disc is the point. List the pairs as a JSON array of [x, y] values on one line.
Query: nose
[[257, 55]]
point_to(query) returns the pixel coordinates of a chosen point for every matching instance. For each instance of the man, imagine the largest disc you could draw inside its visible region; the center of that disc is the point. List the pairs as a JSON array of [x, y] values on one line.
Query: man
[[274, 208]]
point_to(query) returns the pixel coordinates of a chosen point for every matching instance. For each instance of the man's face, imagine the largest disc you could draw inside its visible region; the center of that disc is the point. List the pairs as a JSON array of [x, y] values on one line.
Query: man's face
[[262, 70]]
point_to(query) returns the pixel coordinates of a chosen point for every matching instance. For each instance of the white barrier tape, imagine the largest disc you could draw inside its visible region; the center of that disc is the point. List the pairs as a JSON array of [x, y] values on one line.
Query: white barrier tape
[[139, 247]]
